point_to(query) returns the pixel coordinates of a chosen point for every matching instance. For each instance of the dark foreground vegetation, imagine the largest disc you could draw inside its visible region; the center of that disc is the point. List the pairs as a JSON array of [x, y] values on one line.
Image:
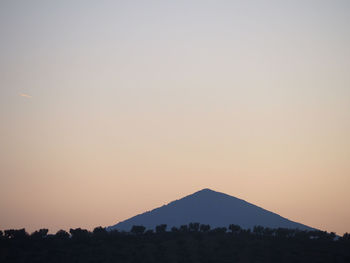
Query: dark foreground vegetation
[[189, 243]]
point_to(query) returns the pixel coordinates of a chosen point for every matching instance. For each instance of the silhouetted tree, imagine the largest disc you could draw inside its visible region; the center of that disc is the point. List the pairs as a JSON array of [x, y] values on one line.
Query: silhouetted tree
[[100, 232], [268, 232], [346, 236], [193, 227], [183, 228], [234, 228], [138, 230], [16, 234], [61, 234], [40, 234], [161, 228], [332, 235], [258, 230], [79, 234], [322, 235], [204, 228], [174, 229]]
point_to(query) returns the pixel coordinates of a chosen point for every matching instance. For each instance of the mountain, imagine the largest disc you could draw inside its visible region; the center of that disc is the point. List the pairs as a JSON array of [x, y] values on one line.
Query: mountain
[[209, 207]]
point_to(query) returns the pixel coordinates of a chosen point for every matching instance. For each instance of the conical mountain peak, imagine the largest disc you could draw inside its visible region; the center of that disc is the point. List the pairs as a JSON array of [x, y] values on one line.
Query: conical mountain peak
[[207, 206], [206, 191]]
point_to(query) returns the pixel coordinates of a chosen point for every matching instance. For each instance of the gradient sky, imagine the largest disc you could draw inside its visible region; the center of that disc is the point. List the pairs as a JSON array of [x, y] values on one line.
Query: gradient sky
[[112, 108]]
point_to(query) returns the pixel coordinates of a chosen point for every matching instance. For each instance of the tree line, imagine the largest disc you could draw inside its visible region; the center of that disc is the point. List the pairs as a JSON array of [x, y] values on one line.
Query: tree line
[[188, 243]]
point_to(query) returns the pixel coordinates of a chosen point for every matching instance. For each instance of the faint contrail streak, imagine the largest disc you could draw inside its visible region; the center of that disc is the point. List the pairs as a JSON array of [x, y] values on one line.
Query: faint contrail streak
[[25, 95]]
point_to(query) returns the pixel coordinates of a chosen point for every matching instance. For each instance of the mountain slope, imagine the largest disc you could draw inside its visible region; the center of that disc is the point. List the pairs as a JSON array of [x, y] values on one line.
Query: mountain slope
[[209, 207]]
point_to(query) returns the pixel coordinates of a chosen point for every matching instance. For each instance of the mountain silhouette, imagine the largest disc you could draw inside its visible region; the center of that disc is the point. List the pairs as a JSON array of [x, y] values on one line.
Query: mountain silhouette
[[209, 207]]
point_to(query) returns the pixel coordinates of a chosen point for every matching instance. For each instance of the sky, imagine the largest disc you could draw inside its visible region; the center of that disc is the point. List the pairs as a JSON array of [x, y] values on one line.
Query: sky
[[112, 108]]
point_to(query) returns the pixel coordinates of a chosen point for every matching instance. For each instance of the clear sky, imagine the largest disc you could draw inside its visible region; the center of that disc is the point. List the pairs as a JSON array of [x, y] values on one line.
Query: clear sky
[[112, 108]]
